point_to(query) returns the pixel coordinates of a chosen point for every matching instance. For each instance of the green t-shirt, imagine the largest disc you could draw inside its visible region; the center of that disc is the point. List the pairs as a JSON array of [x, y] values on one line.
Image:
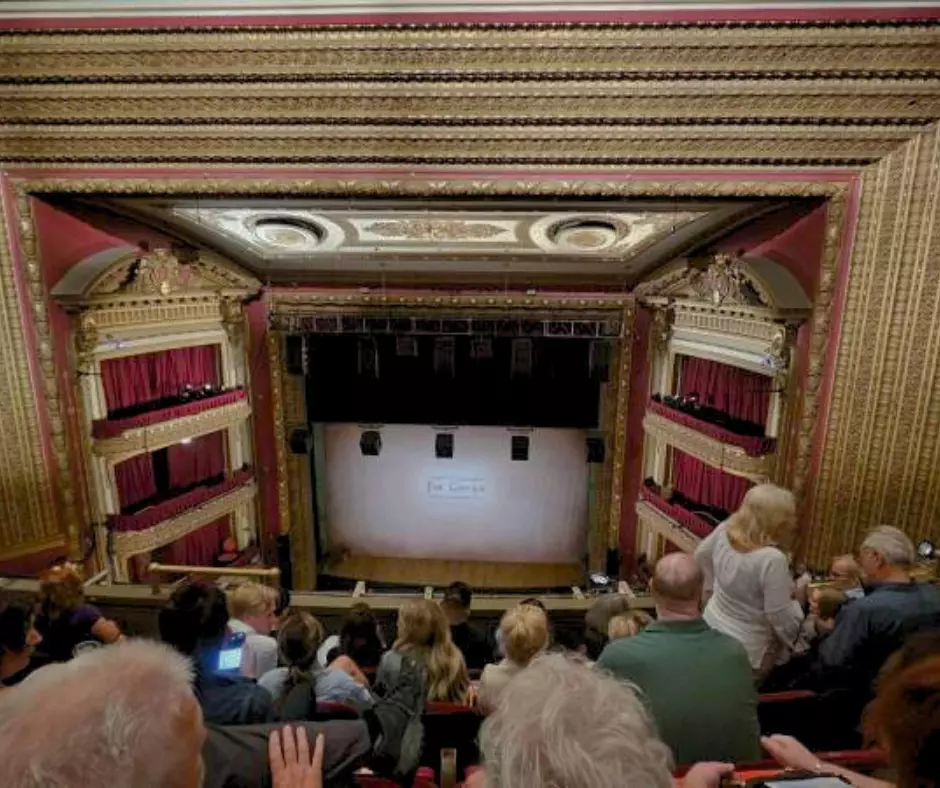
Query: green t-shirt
[[698, 685]]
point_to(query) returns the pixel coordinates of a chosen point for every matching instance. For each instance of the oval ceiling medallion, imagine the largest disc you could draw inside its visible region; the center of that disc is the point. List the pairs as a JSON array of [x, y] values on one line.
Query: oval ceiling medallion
[[288, 233], [585, 235]]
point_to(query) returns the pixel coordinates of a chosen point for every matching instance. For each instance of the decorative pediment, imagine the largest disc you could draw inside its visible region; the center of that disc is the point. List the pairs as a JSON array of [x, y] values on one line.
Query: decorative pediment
[[167, 272], [721, 280]]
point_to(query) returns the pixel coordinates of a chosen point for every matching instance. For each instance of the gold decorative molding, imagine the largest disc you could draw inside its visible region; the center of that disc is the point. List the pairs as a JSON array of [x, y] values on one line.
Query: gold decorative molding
[[618, 432], [127, 544], [166, 433], [749, 323], [662, 525], [730, 459], [275, 339]]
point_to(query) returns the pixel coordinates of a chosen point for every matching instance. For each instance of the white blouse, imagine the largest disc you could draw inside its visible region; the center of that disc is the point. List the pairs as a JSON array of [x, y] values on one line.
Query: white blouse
[[752, 598]]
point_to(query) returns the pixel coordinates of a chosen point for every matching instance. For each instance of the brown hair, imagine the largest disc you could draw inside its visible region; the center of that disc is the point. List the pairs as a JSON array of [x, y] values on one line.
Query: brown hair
[[60, 589], [904, 719], [628, 624], [424, 635], [829, 601]]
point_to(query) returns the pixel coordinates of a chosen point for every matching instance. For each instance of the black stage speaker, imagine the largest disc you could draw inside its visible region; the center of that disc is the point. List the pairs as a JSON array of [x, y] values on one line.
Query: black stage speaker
[[595, 450], [520, 448], [295, 354], [301, 441], [284, 562], [370, 443], [613, 563], [444, 446]]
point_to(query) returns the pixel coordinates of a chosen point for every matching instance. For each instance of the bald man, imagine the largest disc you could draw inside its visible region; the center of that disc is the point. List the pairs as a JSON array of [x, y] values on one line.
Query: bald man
[[697, 682]]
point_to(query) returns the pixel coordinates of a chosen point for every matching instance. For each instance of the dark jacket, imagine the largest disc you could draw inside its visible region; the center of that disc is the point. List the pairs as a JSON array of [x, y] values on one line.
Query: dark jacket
[[869, 630], [233, 700], [473, 644]]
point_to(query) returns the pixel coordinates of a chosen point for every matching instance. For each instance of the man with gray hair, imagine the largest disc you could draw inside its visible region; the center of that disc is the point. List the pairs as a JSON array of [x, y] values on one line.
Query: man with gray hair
[[868, 630], [125, 716], [697, 681]]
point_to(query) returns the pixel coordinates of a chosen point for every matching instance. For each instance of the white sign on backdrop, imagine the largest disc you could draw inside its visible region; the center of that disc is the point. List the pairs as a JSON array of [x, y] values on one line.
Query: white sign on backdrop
[[446, 487]]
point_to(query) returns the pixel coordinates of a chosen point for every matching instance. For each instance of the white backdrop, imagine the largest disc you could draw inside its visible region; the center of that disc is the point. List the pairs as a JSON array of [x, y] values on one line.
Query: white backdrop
[[479, 505]]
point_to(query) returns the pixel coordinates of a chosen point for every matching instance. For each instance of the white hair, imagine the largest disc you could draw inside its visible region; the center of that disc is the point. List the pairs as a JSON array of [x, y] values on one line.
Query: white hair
[[892, 544], [561, 723], [110, 718]]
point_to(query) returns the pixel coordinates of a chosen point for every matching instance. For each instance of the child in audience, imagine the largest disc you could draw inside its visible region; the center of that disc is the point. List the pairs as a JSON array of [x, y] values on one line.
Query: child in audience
[[424, 635], [626, 625], [18, 641], [524, 634], [298, 686]]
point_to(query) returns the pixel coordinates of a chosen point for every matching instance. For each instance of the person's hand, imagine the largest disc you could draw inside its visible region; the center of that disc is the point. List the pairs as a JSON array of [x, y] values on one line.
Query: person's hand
[[789, 753], [292, 767], [707, 775]]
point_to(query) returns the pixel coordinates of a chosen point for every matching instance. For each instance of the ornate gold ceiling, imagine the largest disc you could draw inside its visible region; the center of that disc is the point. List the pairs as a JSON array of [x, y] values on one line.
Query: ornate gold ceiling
[[528, 95]]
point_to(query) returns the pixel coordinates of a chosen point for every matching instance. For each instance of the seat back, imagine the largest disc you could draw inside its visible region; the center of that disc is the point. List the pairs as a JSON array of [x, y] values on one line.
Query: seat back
[[827, 721], [450, 726], [328, 710]]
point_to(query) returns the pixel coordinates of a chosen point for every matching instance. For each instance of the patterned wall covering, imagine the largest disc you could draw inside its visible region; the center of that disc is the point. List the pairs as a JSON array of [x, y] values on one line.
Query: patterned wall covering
[[881, 462]]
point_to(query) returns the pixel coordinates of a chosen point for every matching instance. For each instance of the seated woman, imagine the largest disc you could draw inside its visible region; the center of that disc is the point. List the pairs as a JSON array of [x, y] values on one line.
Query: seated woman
[[754, 596], [18, 641], [524, 634], [358, 648], [303, 682], [424, 636], [65, 620]]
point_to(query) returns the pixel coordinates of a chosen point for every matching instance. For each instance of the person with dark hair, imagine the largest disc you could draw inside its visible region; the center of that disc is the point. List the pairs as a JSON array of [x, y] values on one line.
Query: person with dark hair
[[358, 647], [194, 622], [65, 619], [302, 682], [18, 641], [473, 644]]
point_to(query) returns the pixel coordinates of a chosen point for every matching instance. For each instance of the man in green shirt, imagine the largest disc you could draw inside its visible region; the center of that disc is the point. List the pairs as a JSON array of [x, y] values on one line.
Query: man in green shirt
[[696, 682]]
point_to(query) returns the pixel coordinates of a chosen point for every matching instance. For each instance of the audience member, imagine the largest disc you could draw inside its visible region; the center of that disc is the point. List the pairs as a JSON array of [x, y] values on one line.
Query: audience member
[[194, 622], [628, 624], [867, 631], [846, 575], [562, 724], [524, 634], [689, 673], [303, 682], [472, 642], [18, 641], [65, 619], [903, 720], [748, 575], [597, 620], [358, 647], [252, 607], [125, 717], [824, 606], [424, 636]]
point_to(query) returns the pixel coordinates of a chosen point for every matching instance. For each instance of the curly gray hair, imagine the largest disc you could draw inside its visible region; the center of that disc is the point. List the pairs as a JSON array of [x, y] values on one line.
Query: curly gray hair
[[561, 723]]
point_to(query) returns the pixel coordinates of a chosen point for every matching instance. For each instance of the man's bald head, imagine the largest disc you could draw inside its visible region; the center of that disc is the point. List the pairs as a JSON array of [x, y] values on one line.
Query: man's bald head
[[677, 583]]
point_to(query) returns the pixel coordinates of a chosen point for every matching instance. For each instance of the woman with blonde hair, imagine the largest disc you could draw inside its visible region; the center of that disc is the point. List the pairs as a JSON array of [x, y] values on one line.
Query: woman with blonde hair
[[65, 620], [252, 609], [424, 636], [753, 596], [524, 634]]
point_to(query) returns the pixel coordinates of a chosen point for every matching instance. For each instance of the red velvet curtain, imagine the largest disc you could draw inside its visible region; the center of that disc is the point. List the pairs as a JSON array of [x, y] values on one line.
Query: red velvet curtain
[[133, 380], [707, 485], [197, 461], [135, 480], [737, 392], [199, 548]]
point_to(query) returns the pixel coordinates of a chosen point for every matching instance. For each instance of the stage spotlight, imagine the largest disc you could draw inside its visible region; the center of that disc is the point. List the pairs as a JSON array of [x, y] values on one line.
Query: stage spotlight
[[370, 443], [519, 450], [926, 550], [444, 446]]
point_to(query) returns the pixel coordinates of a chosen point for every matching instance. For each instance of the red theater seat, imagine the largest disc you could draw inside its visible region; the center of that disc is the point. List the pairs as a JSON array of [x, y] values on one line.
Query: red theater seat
[[423, 779], [451, 726], [327, 710]]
